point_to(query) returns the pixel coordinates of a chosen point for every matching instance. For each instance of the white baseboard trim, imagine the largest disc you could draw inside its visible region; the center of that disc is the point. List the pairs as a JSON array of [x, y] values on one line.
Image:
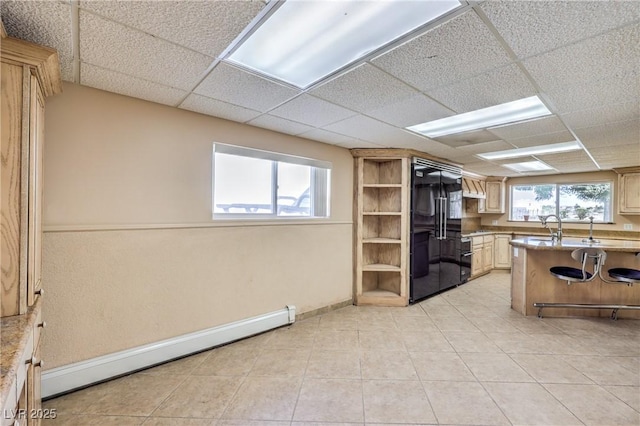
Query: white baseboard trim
[[80, 374]]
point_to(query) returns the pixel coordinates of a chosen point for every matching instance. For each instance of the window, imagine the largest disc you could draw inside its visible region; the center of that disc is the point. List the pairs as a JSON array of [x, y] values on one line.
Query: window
[[262, 184], [574, 202]]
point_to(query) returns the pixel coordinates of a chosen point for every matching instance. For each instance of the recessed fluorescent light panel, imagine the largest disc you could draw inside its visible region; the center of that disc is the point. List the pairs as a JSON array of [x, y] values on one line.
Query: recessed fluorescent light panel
[[532, 150], [529, 166], [508, 113], [304, 41]]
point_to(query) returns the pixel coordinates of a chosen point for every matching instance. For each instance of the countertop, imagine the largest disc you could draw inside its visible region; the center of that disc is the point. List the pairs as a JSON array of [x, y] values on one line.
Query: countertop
[[15, 332], [570, 243]]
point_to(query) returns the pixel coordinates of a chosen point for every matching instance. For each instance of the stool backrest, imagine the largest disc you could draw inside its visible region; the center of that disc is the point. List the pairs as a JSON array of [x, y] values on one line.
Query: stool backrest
[[583, 255]]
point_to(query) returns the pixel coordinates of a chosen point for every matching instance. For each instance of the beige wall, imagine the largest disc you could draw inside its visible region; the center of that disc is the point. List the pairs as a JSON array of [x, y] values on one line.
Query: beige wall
[[604, 176], [131, 255]]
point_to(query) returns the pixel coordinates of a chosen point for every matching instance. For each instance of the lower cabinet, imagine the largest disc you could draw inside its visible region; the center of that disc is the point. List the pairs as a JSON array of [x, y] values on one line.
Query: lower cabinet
[[22, 401], [490, 252], [502, 252], [482, 259]]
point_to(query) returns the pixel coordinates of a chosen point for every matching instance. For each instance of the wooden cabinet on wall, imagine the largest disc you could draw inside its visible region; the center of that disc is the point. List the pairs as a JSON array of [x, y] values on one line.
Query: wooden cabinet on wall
[[494, 202], [629, 190], [382, 231], [502, 251], [30, 73]]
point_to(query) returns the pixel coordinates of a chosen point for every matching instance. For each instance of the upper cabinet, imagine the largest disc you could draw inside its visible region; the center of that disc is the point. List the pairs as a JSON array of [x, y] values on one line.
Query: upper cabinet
[[629, 190], [30, 73], [494, 202]]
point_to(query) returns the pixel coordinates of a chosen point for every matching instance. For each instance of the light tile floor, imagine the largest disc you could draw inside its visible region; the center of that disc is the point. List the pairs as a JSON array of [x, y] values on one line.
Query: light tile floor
[[460, 358]]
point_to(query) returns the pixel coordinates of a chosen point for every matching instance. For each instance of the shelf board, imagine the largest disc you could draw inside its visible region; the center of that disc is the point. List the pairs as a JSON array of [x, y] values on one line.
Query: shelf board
[[382, 241], [381, 267], [380, 297], [381, 213], [382, 185], [380, 293]]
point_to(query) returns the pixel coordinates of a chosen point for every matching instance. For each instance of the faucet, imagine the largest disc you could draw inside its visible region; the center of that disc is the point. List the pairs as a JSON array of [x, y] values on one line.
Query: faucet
[[554, 235]]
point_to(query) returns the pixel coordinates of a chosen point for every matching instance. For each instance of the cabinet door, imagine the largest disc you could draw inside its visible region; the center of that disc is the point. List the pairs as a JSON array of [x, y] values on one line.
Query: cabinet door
[[34, 387], [502, 252], [487, 257], [36, 139], [494, 201], [11, 150], [629, 187], [476, 261]]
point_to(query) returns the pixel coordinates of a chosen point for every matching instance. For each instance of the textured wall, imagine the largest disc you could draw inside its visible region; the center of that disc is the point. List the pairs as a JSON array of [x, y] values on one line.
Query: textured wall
[[113, 164]]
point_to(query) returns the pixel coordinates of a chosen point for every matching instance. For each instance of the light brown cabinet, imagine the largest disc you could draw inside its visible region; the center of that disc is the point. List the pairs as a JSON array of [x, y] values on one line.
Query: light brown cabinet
[[29, 74], [482, 258], [502, 251], [629, 190], [494, 202], [381, 231]]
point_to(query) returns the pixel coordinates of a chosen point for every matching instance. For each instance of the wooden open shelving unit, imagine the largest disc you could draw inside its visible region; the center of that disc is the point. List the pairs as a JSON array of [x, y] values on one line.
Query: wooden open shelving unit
[[382, 231]]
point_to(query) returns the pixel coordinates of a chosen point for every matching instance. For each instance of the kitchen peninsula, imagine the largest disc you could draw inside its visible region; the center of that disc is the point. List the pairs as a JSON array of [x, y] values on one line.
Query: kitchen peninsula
[[532, 283]]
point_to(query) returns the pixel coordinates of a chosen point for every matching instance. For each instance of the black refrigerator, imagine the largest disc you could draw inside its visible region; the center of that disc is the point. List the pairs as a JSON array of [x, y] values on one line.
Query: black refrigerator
[[436, 216]]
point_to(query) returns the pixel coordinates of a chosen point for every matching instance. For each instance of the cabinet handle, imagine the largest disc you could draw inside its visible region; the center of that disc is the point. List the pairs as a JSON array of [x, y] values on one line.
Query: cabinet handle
[[43, 324], [39, 292]]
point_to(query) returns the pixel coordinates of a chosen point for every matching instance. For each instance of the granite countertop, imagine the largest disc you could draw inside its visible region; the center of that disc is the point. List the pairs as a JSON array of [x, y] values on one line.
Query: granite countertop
[[15, 332], [570, 243]]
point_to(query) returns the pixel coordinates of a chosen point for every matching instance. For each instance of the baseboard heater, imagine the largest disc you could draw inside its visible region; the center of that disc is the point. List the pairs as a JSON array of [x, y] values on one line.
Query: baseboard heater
[[81, 374]]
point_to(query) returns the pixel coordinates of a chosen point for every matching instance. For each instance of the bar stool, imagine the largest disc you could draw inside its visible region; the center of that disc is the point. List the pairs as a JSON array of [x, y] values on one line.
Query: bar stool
[[583, 255], [627, 275]]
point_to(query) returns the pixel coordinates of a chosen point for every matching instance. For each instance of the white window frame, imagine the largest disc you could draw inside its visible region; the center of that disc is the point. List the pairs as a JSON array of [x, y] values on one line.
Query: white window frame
[[320, 195], [557, 199]]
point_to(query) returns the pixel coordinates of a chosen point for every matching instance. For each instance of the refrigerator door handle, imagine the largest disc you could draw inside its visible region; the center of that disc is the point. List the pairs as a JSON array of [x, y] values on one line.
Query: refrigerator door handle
[[445, 202], [442, 223]]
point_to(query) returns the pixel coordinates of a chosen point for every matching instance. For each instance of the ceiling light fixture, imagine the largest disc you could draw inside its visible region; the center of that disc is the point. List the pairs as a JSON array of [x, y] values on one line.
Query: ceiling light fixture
[[304, 41], [532, 150], [507, 113], [529, 166]]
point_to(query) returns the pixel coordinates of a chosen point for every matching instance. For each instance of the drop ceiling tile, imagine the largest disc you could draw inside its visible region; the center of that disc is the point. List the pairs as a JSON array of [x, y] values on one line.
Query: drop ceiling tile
[[598, 71], [576, 159], [356, 143], [453, 51], [327, 137], [541, 126], [544, 139], [207, 27], [532, 27], [621, 156], [47, 23], [611, 135], [368, 129], [123, 84], [279, 125], [467, 138], [481, 148], [232, 85], [491, 88], [310, 110], [113, 46], [463, 159], [602, 114], [410, 111], [363, 89], [570, 162], [489, 169], [216, 108]]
